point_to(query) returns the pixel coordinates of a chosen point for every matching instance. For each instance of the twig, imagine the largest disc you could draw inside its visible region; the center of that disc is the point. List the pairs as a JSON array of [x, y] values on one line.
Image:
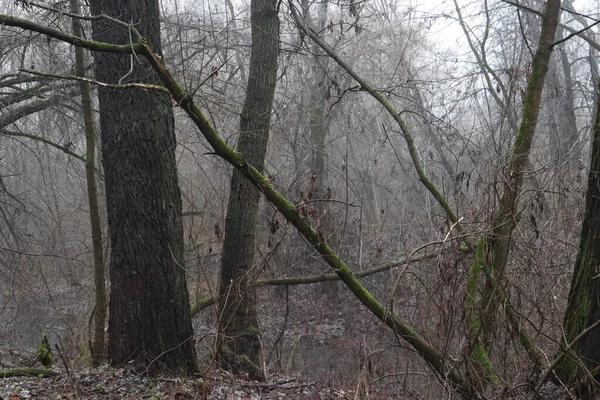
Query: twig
[[79, 16], [304, 280], [283, 327], [43, 140], [213, 73], [68, 369], [558, 358]]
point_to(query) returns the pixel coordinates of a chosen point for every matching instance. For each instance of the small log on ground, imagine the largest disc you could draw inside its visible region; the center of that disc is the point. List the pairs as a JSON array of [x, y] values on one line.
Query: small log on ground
[[41, 372]]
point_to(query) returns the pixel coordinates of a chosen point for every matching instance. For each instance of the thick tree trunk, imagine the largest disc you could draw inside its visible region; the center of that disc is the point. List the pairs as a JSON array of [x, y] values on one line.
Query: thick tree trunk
[[239, 342], [149, 313], [583, 308]]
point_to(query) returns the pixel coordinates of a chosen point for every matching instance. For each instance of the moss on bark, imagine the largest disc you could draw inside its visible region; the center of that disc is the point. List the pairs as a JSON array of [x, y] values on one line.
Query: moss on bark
[[583, 308]]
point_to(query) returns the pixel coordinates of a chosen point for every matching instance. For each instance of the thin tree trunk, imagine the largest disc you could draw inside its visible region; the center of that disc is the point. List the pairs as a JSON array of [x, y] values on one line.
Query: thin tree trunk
[[497, 245], [506, 217], [563, 122], [318, 123], [239, 340], [319, 129], [98, 342]]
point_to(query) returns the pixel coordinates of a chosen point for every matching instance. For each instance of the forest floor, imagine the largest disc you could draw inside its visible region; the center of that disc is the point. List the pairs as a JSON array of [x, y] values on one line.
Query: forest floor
[[109, 383]]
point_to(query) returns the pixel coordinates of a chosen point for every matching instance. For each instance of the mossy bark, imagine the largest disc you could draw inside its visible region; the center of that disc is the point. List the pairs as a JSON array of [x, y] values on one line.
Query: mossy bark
[[480, 367], [40, 372], [583, 308], [505, 221]]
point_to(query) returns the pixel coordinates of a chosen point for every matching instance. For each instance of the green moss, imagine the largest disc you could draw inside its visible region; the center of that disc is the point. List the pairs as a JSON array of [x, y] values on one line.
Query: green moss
[[253, 330], [44, 352], [481, 361], [576, 319], [39, 372]]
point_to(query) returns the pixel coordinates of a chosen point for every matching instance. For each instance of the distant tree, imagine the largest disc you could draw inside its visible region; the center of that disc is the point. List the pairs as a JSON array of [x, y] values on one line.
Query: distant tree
[[149, 318], [239, 341]]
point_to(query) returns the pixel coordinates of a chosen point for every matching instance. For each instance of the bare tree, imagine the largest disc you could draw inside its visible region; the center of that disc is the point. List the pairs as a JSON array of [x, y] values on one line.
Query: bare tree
[[239, 336]]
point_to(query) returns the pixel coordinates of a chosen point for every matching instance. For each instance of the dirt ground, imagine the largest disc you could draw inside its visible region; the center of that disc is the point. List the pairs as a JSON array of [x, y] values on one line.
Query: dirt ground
[[108, 383]]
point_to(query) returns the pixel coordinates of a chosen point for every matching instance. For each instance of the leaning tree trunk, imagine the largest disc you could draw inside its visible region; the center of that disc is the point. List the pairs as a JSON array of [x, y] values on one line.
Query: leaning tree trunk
[[493, 250], [239, 342], [149, 313], [583, 309]]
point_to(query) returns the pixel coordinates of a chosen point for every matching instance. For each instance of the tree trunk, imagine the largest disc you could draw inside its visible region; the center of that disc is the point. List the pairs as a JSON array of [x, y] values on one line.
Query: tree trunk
[[493, 250], [239, 342], [98, 347], [563, 122], [318, 120], [319, 129], [149, 312], [505, 221], [583, 308]]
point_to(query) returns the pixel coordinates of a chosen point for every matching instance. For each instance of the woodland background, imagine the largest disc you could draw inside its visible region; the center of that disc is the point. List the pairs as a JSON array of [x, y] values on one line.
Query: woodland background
[[342, 160]]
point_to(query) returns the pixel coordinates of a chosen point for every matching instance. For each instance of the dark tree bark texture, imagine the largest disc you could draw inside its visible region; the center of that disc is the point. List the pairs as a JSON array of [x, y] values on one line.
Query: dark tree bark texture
[[583, 309], [149, 312], [239, 344]]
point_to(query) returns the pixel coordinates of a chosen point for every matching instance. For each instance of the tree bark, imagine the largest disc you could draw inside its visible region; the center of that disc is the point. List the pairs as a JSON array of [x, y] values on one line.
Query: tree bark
[[149, 318], [505, 221], [98, 347], [319, 130], [318, 104], [583, 307], [239, 341]]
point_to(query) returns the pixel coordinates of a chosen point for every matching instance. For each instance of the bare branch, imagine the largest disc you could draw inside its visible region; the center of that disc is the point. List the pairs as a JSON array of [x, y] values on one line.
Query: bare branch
[[43, 140], [573, 31], [416, 159], [33, 107], [98, 83], [9, 20], [304, 280]]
